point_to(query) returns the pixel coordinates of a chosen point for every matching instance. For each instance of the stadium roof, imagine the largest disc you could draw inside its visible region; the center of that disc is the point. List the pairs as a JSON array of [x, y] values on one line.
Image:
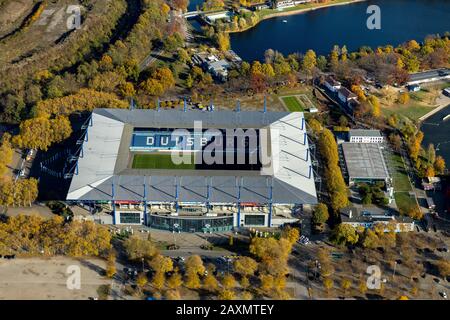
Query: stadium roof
[[364, 161], [104, 173]]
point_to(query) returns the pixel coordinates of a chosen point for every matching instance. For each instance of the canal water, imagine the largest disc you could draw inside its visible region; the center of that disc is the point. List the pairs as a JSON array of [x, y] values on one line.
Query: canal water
[[193, 4], [437, 131], [321, 29]]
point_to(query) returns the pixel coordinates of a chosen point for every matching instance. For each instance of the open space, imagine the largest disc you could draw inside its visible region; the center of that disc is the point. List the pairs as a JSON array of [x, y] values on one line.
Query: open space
[[293, 104], [44, 279]]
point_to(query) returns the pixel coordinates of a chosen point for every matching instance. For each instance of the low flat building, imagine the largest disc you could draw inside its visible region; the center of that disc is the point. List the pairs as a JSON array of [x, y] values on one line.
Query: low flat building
[[233, 57], [364, 162], [365, 136], [346, 96], [219, 69], [212, 64], [331, 84], [259, 6], [429, 76], [413, 88], [369, 218], [431, 183]]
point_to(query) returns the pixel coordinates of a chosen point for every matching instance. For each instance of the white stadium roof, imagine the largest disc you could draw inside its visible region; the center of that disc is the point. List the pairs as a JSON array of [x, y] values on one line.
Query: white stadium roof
[[104, 173]]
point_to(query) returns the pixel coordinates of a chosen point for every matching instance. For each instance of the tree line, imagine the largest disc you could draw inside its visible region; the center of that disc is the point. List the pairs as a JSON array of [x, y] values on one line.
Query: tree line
[[33, 235], [263, 274]]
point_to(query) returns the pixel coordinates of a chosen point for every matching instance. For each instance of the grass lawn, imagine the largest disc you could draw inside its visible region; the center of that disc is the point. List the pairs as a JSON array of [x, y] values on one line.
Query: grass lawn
[[412, 111], [159, 161], [293, 104], [401, 184], [404, 202], [400, 177]]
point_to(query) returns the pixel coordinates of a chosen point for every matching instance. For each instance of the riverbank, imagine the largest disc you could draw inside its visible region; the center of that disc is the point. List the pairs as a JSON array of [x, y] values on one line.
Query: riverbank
[[265, 14], [443, 103]]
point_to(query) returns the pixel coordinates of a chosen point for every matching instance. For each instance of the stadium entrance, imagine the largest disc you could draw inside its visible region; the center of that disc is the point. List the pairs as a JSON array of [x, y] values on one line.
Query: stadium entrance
[[217, 224]]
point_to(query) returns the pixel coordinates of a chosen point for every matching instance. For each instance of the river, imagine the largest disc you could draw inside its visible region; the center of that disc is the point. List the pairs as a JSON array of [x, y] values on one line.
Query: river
[[321, 29], [194, 3], [437, 131]]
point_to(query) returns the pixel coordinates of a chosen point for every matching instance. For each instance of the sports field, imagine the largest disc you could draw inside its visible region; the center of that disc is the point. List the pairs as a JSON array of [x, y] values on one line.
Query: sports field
[[293, 104], [159, 161]]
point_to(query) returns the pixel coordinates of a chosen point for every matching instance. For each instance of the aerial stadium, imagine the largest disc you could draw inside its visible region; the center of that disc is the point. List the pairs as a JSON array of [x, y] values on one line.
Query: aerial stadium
[[195, 171]]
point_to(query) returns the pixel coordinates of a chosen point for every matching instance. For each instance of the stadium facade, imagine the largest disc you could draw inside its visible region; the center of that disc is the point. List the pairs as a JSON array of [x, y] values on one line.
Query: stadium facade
[[126, 164]]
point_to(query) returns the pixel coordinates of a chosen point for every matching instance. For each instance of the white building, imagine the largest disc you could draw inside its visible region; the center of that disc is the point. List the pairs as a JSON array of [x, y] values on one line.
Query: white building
[[365, 136], [332, 84], [370, 218]]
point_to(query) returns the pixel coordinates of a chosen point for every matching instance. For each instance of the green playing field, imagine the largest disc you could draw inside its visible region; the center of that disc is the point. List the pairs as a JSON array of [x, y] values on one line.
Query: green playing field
[[159, 161], [293, 104]]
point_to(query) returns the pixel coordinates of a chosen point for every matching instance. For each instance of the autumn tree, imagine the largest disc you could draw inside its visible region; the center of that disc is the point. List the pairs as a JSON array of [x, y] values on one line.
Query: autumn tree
[[328, 284], [439, 165], [345, 234], [141, 280], [403, 98], [175, 280], [138, 249], [194, 267], [291, 234], [356, 89], [6, 153], [320, 214], [273, 254], [49, 131], [245, 266], [375, 103], [309, 62], [111, 265], [173, 294], [223, 41], [346, 284], [158, 280], [443, 267], [227, 295], [210, 283]]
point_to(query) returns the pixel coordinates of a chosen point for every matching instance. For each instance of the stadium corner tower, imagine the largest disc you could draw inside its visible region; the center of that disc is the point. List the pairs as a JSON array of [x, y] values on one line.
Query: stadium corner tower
[[195, 171]]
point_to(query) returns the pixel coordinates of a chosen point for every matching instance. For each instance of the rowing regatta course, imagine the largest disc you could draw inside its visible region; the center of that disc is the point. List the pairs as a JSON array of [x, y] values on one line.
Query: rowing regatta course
[[437, 131]]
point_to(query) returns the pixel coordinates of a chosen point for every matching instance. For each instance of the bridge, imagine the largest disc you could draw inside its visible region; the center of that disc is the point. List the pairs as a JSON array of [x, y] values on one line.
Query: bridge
[[192, 14]]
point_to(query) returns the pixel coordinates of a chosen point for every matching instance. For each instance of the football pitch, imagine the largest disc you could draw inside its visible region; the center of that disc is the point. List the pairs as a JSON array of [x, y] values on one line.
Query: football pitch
[[293, 104], [159, 161]]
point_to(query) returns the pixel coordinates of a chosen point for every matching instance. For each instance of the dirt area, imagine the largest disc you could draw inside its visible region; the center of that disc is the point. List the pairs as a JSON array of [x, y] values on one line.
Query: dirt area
[[38, 278], [39, 36], [12, 12], [35, 209]]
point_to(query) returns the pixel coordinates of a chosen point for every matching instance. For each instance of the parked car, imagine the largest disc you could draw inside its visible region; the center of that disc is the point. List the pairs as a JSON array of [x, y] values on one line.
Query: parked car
[[443, 294]]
